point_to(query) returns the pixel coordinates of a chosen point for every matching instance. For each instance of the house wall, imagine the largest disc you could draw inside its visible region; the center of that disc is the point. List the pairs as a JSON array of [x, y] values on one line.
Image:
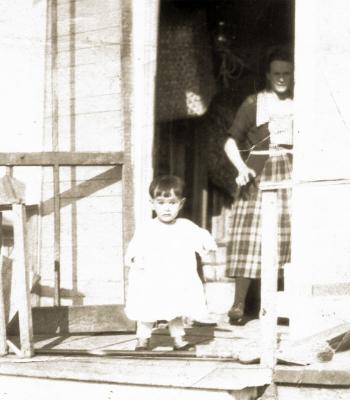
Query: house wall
[[63, 93], [321, 219], [89, 116]]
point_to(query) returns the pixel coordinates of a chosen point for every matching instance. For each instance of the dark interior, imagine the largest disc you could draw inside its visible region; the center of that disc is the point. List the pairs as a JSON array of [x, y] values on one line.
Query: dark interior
[[215, 50]]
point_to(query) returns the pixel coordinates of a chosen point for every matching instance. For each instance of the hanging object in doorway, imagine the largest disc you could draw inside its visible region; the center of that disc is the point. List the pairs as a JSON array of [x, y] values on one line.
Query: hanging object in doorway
[[185, 79]]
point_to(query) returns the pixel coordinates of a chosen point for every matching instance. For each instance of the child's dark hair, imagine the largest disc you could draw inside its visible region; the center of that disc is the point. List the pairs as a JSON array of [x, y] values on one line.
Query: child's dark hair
[[164, 185]]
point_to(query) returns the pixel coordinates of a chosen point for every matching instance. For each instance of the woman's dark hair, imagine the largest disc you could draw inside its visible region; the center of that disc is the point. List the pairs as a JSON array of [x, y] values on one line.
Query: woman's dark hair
[[278, 53], [166, 185]]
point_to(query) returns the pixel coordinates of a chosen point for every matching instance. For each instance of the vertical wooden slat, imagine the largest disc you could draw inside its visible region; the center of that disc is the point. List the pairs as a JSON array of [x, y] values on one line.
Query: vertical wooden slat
[[55, 147], [0, 233], [127, 175], [32, 220], [73, 147], [54, 55], [3, 345], [21, 274], [204, 208], [57, 236], [269, 270], [200, 183]]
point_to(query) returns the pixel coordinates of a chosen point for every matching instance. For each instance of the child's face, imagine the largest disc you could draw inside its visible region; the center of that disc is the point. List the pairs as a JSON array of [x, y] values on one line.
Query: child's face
[[167, 208]]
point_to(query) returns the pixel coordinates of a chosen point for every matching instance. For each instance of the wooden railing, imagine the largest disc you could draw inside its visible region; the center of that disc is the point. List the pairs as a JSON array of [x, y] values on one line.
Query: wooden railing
[[21, 277], [269, 273], [14, 201]]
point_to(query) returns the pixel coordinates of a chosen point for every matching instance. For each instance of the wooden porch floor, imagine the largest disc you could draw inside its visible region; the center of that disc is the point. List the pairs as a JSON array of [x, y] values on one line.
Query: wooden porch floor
[[109, 358]]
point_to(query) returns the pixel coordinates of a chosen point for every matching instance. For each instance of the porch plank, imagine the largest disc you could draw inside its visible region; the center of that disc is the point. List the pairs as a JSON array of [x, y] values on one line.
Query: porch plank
[[170, 373], [86, 342], [45, 341], [77, 319], [224, 376], [59, 389], [333, 373]]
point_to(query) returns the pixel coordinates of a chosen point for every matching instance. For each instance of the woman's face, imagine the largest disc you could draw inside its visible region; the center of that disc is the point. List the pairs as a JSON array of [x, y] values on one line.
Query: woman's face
[[280, 77]]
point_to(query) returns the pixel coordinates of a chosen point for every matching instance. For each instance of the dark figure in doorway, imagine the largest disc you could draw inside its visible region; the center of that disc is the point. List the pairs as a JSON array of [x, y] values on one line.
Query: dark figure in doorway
[[259, 147]]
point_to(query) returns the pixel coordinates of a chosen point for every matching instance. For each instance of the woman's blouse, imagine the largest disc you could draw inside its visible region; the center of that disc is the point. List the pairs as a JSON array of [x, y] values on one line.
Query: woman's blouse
[[263, 119]]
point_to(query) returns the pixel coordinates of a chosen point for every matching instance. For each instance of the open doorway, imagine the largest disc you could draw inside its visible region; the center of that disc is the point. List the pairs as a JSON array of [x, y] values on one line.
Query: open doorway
[[211, 56]]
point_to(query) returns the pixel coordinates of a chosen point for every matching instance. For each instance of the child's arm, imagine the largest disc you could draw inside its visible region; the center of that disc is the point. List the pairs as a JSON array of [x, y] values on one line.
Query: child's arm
[[208, 243], [131, 252], [208, 255], [208, 265], [133, 257]]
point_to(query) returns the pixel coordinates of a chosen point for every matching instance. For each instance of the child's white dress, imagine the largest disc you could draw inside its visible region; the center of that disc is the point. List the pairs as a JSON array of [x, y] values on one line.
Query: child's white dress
[[163, 279]]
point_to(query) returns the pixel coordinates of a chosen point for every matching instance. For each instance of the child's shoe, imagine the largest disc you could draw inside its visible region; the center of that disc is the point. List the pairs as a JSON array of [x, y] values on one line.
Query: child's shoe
[[142, 344], [181, 344]]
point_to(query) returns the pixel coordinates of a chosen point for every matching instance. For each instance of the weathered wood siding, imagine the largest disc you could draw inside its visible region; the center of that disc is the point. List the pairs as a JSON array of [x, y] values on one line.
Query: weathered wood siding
[[88, 89], [322, 79], [321, 217], [71, 79]]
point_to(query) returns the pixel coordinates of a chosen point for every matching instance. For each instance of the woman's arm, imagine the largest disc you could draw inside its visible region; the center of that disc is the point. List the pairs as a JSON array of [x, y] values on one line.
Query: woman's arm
[[245, 119], [233, 154]]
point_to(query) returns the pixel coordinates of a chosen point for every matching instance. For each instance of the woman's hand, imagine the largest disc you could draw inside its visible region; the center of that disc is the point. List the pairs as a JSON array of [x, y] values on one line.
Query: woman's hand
[[245, 174]]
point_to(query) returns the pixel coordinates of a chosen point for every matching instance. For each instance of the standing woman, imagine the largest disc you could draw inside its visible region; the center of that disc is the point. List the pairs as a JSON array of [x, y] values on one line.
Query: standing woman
[[259, 147]]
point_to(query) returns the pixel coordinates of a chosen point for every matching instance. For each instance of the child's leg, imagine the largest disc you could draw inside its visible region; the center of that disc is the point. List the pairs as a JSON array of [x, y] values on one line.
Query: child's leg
[[176, 327], [144, 329], [143, 334], [177, 331]]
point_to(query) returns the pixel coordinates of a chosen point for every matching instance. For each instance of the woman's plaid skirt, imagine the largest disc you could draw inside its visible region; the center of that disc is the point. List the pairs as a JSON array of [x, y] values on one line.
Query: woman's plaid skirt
[[244, 246]]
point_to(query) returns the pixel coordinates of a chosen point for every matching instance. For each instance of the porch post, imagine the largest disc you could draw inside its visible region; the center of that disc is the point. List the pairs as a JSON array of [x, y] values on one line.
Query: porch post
[[143, 69], [21, 274], [269, 276]]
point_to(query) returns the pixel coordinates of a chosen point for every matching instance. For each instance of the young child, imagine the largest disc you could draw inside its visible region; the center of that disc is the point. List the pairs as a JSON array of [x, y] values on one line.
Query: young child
[[163, 279]]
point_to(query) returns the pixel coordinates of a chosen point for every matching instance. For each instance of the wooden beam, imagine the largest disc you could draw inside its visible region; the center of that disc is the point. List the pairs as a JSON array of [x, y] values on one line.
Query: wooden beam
[[269, 271], [22, 281], [1, 233], [57, 235], [3, 344], [54, 75], [134, 354], [61, 158], [128, 176], [14, 348], [55, 147], [200, 184]]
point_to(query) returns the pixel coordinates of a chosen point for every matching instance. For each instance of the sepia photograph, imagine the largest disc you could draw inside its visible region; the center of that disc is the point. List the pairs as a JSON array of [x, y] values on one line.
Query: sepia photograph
[[174, 199]]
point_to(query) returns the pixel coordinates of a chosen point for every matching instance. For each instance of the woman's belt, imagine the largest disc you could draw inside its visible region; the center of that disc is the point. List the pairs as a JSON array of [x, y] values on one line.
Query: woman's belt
[[274, 150]]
